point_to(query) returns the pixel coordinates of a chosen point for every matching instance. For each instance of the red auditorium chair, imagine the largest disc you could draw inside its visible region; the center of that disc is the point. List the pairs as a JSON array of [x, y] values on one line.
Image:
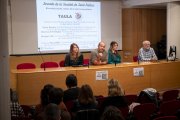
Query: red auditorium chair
[[61, 63], [26, 66], [170, 95], [49, 65], [167, 118], [144, 111], [169, 107], [69, 105], [86, 62], [20, 118], [131, 98], [135, 58], [26, 109]]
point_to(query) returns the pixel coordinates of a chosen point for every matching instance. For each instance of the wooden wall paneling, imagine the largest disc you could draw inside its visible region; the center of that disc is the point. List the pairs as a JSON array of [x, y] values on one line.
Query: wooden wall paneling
[[141, 24]]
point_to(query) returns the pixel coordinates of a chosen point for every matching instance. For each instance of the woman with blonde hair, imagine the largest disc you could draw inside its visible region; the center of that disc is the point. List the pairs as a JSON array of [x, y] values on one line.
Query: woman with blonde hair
[[115, 96], [74, 57], [114, 88]]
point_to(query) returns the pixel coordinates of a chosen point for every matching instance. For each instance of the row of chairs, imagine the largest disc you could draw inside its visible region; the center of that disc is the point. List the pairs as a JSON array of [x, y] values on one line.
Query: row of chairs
[[167, 111], [146, 111], [46, 64], [165, 96]]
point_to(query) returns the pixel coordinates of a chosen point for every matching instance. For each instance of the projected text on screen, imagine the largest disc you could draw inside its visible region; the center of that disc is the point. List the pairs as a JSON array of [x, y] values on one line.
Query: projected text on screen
[[61, 23]]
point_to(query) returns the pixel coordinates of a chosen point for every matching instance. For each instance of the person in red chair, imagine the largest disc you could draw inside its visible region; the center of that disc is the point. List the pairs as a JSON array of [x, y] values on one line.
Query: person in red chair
[[99, 55], [74, 57]]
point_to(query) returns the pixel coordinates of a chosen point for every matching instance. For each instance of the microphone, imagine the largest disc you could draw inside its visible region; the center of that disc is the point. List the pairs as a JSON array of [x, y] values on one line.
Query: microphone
[[115, 62], [44, 67]]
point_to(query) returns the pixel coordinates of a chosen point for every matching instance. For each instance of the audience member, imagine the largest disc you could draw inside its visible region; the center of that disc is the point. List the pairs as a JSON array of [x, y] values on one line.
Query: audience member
[[74, 57], [112, 113], [113, 55], [99, 55], [16, 109], [44, 99], [51, 112], [115, 96], [146, 53], [85, 100], [56, 97], [73, 91]]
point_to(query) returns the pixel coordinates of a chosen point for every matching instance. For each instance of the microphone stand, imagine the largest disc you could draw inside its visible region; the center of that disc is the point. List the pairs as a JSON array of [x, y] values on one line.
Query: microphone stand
[[88, 63], [44, 66], [138, 59]]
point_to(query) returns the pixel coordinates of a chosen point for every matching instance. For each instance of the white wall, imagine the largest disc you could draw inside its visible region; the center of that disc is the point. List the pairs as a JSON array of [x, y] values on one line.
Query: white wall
[[4, 64], [173, 26]]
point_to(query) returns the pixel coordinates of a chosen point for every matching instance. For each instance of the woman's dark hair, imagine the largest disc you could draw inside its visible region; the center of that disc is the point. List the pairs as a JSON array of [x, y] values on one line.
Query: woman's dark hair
[[86, 95], [112, 113], [112, 44], [55, 95], [45, 94], [71, 81]]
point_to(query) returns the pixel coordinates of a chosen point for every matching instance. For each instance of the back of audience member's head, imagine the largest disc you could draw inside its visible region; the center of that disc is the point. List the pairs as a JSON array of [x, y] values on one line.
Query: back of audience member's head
[[112, 113], [86, 95], [71, 81], [114, 89], [45, 94], [52, 112], [56, 95]]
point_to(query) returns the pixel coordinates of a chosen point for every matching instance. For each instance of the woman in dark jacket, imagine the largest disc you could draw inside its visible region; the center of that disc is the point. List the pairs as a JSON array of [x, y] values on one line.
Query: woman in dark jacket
[[74, 57]]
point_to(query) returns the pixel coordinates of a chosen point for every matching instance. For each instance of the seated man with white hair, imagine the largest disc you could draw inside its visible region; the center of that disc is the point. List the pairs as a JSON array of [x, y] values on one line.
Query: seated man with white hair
[[146, 53]]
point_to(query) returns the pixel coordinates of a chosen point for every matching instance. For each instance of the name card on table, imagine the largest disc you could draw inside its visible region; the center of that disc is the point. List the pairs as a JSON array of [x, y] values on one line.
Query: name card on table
[[102, 75], [138, 71]]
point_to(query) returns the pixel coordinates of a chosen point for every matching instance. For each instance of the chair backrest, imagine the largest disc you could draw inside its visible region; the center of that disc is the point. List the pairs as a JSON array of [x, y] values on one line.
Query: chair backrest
[[144, 111], [135, 58], [170, 95], [89, 114], [26, 109], [167, 118], [169, 107], [61, 63], [20, 118], [69, 105], [86, 62], [49, 65], [26, 66], [131, 98], [100, 101], [124, 111]]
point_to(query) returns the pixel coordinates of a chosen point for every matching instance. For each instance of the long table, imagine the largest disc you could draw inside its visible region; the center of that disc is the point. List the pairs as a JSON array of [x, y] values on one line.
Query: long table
[[160, 75]]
